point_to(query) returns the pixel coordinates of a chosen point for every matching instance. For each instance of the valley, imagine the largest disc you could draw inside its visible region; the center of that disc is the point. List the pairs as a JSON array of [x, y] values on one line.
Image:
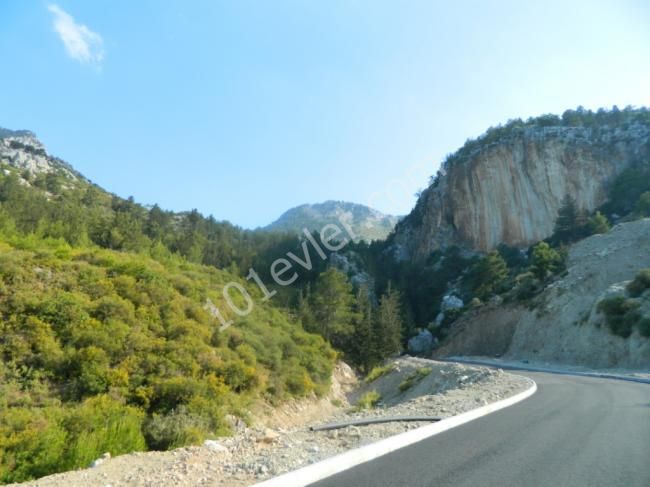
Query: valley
[[129, 328]]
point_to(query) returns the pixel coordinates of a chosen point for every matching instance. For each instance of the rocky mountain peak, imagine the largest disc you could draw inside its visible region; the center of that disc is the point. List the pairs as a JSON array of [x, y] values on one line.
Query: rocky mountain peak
[[24, 151], [368, 224]]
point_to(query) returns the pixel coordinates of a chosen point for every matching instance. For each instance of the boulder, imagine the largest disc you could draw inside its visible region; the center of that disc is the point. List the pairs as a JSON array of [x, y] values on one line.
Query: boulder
[[215, 446], [451, 302], [422, 343]]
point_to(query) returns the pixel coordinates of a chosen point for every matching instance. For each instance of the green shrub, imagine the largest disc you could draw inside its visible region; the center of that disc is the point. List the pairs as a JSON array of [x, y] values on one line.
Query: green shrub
[[368, 401], [100, 425], [422, 372], [379, 371], [640, 283], [32, 443], [621, 314], [414, 378], [178, 428], [644, 327], [527, 286]]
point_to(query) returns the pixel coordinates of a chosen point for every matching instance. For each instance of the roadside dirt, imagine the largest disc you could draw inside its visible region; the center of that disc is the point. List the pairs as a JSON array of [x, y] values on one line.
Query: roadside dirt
[[283, 441]]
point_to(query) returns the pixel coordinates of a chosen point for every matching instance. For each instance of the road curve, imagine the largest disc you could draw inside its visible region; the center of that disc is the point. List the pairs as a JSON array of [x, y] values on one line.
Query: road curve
[[575, 431]]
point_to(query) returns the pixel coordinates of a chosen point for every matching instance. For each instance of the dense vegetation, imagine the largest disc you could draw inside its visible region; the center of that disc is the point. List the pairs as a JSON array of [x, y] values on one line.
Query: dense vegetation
[[108, 351]]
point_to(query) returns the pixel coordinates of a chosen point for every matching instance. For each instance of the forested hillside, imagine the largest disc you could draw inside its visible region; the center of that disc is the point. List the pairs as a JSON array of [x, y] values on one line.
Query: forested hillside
[[105, 340], [110, 351]]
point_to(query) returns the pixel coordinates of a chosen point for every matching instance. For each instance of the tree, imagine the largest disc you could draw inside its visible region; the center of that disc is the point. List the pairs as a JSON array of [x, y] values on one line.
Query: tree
[[489, 274], [598, 223], [643, 205], [546, 260], [364, 348], [389, 324], [332, 305], [305, 314], [571, 221]]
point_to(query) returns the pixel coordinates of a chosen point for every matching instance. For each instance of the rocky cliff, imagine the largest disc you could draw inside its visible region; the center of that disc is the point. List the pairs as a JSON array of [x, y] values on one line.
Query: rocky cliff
[[23, 150], [508, 189]]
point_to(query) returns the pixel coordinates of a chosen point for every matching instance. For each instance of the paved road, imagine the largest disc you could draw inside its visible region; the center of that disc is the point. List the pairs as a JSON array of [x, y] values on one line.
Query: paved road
[[574, 431]]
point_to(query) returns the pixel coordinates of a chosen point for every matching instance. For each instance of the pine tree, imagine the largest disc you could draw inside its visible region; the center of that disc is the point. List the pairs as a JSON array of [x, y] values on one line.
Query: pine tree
[[389, 324], [304, 310], [572, 222], [332, 305], [489, 274], [365, 352]]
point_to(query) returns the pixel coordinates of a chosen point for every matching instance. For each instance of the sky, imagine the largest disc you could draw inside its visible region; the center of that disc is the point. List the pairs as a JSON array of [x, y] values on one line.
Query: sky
[[244, 109]]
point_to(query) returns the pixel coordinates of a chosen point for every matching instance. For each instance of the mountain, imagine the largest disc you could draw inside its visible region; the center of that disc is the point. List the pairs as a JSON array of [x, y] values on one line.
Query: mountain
[[507, 186], [366, 223], [22, 150]]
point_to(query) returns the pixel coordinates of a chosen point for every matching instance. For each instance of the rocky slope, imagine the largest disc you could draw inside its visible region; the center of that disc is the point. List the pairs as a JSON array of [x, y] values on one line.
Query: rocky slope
[[23, 150], [508, 189], [367, 224], [563, 324]]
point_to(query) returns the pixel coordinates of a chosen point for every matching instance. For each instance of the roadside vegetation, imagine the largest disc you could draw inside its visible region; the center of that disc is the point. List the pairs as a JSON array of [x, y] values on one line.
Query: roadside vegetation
[[112, 351], [414, 378], [368, 401]]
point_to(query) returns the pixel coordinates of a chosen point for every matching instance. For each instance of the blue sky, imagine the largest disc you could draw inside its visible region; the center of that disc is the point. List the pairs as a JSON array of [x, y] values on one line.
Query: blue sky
[[243, 109]]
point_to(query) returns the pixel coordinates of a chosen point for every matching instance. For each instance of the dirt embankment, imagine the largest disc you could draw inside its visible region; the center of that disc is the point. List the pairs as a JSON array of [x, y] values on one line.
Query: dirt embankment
[[563, 324], [409, 387]]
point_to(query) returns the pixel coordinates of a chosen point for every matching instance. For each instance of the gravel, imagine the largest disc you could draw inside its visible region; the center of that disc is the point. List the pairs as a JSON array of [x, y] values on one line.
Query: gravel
[[257, 453]]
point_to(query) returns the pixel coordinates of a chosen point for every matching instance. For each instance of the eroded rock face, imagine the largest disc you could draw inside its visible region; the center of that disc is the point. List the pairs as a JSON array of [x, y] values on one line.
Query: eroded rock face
[[23, 150], [510, 191]]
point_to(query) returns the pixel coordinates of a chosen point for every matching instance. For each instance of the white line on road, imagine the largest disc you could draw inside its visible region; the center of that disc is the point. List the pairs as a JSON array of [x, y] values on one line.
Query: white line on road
[[344, 461]]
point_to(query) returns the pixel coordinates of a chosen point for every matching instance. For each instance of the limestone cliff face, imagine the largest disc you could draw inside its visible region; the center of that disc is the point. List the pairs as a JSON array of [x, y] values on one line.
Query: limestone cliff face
[[23, 150], [510, 190]]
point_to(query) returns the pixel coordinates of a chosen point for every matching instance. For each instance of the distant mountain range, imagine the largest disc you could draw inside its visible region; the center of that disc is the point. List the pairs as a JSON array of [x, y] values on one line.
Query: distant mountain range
[[367, 224]]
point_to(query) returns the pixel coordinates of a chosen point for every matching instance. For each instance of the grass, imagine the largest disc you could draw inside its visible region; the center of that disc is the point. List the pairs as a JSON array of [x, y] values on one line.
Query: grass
[[379, 371], [415, 377], [368, 401]]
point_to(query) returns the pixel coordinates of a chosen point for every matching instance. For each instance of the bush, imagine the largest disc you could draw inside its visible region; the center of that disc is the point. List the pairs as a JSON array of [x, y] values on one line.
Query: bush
[[414, 378], [640, 283], [546, 260], [32, 443], [644, 327], [379, 371], [368, 401], [102, 425], [527, 286], [621, 314], [643, 205], [175, 429]]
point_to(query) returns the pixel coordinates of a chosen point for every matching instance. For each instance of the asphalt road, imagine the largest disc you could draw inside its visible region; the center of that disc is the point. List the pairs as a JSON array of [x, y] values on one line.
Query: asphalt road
[[575, 431]]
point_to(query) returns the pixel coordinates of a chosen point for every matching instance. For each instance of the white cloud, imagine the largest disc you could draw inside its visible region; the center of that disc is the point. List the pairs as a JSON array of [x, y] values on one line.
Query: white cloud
[[81, 43]]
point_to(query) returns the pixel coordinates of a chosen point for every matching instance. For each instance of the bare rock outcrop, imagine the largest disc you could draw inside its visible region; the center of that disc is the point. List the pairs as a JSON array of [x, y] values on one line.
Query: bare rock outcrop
[[509, 191]]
